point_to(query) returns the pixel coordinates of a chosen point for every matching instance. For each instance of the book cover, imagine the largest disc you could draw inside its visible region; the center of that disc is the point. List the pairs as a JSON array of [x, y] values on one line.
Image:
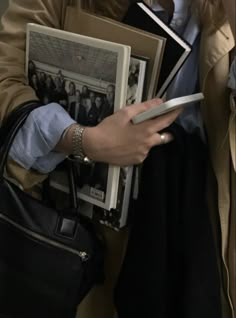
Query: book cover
[[118, 217], [89, 78], [142, 43], [136, 80], [176, 50]]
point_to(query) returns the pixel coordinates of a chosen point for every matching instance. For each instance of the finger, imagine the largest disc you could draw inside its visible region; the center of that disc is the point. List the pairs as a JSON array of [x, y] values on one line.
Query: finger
[[165, 138], [161, 122], [161, 139], [136, 109]]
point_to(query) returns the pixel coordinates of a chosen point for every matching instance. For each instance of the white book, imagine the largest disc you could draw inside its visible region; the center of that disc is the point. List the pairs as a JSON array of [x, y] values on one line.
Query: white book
[[118, 217], [62, 65], [168, 106]]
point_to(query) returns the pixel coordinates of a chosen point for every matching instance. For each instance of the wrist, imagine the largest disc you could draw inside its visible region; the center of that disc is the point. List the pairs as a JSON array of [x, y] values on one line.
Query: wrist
[[65, 145]]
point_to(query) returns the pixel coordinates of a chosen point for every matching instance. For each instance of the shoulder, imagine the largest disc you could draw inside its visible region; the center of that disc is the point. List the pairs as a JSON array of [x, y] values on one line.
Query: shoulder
[[45, 12]]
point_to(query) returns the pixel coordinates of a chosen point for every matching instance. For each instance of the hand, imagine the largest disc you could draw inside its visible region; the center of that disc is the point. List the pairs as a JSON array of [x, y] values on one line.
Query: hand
[[119, 142]]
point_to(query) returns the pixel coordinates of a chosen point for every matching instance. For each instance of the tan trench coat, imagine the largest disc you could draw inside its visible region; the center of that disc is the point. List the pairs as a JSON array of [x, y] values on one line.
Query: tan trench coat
[[220, 123]]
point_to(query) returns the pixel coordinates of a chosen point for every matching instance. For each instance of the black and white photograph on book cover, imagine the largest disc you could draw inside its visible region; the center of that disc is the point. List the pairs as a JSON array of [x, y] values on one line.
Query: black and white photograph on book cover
[[82, 78], [136, 79]]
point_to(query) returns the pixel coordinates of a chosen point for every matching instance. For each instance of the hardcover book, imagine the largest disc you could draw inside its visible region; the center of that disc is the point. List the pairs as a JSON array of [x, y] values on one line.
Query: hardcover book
[[89, 78], [176, 50], [117, 218], [142, 43]]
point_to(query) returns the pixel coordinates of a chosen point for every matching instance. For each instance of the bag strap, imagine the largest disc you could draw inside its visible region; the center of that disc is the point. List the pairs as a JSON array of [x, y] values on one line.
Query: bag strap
[[72, 178], [8, 131]]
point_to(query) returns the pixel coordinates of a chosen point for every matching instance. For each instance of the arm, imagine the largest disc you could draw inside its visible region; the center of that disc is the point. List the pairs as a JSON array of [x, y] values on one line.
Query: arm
[[115, 140], [119, 142], [14, 90], [34, 144], [13, 85]]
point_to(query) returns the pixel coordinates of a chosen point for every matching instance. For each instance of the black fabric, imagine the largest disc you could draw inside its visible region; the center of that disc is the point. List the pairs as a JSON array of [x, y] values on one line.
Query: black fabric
[[170, 267], [45, 268]]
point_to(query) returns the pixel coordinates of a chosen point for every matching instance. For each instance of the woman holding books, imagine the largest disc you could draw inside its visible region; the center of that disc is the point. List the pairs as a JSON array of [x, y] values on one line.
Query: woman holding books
[[115, 140], [46, 138]]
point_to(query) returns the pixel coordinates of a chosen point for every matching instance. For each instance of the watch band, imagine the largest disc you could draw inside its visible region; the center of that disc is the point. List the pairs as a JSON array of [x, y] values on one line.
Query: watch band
[[77, 145]]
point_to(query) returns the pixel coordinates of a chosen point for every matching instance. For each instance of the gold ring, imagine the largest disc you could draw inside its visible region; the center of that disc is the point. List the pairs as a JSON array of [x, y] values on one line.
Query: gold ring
[[163, 138]]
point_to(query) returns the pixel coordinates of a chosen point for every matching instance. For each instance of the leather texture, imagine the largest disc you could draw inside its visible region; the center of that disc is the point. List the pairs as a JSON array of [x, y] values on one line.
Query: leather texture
[[49, 259]]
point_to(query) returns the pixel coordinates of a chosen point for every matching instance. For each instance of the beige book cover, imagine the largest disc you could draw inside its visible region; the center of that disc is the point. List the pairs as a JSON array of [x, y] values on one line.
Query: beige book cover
[[141, 42]]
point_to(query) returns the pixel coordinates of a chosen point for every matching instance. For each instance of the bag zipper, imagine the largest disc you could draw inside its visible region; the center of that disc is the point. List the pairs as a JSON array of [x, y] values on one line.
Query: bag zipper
[[82, 255]]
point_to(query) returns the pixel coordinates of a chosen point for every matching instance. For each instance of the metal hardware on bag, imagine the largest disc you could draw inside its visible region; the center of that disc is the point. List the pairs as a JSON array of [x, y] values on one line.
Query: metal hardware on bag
[[82, 255], [66, 227]]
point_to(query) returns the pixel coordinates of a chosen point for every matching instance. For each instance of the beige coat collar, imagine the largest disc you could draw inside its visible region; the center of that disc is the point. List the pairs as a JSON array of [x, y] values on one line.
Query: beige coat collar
[[210, 57]]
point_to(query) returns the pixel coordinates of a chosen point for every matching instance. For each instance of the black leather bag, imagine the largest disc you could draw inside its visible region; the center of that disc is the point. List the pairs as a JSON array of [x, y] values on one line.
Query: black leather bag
[[49, 259]]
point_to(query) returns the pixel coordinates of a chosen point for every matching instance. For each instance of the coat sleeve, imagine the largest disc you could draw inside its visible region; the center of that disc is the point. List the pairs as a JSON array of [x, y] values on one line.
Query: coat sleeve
[[13, 84]]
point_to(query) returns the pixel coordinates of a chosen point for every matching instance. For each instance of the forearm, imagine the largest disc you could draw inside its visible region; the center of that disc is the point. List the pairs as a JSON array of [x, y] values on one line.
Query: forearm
[[35, 146], [41, 144]]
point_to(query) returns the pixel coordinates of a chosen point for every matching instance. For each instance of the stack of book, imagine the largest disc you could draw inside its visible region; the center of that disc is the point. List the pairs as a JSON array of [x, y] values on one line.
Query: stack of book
[[94, 68]]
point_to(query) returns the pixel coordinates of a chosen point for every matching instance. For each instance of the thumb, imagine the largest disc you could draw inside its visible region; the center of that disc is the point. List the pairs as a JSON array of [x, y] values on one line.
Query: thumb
[[136, 109]]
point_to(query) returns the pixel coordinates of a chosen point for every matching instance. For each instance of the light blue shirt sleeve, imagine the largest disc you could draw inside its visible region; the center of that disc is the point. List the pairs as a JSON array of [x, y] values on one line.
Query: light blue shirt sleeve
[[35, 141]]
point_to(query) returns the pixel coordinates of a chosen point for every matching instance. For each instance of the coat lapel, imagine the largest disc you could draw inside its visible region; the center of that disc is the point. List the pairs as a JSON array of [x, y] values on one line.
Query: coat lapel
[[211, 51]]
